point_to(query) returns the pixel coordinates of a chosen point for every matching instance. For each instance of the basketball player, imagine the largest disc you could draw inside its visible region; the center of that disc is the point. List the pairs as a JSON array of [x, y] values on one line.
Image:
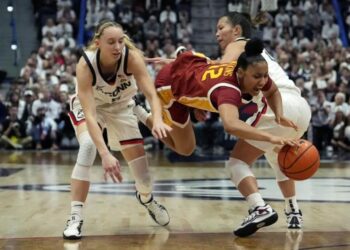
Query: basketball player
[[106, 83], [232, 33], [193, 81]]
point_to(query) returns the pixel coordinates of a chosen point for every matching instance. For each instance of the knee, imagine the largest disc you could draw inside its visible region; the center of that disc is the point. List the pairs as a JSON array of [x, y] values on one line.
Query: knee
[[238, 170], [87, 150], [86, 144], [81, 173]]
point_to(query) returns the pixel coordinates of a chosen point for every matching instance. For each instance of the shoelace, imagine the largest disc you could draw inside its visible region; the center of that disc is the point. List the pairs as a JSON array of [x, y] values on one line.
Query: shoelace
[[72, 220], [253, 215], [154, 205], [297, 215]]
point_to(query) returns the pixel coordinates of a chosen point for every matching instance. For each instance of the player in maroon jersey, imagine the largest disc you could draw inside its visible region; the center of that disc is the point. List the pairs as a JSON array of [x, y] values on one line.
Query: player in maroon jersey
[[192, 81]]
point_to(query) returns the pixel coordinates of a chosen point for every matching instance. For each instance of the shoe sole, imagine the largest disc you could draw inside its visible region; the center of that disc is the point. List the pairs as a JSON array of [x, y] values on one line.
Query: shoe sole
[[73, 237], [253, 227]]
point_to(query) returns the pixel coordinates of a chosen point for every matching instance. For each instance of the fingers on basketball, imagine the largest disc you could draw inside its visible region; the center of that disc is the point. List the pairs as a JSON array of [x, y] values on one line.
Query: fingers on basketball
[[299, 162]]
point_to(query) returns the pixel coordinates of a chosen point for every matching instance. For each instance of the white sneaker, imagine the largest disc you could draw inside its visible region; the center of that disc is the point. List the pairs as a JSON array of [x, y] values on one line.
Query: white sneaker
[[158, 212], [73, 228], [294, 220], [260, 216]]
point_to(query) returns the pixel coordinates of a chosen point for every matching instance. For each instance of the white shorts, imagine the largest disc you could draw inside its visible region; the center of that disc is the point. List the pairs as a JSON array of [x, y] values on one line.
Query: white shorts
[[295, 108], [119, 120]]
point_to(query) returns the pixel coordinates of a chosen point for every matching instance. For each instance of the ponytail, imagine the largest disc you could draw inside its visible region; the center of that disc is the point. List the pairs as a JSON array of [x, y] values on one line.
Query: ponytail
[[252, 54]]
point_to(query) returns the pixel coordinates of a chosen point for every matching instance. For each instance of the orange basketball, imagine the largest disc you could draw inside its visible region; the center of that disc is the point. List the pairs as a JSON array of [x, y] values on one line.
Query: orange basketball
[[299, 162]]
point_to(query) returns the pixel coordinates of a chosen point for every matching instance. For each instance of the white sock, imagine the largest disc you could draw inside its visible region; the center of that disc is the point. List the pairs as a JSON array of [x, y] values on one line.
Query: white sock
[[77, 208], [145, 198], [141, 113], [291, 204], [255, 200]]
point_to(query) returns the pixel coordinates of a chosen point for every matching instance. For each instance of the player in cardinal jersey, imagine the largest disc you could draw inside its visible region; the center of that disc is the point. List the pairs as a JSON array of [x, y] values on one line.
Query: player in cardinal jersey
[[193, 81], [232, 33], [267, 118], [106, 75]]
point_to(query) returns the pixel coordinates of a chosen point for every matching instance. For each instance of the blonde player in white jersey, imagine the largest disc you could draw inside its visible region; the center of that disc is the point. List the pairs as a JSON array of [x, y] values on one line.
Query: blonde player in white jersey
[[232, 33], [107, 74]]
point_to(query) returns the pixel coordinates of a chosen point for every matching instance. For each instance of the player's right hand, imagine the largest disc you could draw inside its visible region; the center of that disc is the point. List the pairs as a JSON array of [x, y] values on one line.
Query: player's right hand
[[111, 167]]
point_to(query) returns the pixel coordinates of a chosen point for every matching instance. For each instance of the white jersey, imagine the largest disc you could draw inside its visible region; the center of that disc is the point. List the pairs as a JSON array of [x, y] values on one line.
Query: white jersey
[[121, 89], [276, 73]]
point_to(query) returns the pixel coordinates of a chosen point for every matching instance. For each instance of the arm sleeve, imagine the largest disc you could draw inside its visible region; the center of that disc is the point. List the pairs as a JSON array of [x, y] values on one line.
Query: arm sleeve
[[227, 95]]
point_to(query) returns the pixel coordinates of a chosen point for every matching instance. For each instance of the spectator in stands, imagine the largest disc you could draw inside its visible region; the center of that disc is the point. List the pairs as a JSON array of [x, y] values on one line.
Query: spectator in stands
[[66, 13], [44, 130], [168, 14], [49, 41], [184, 31], [300, 41], [167, 30], [52, 108], [105, 14], [339, 104], [282, 18], [15, 101], [49, 27], [27, 116], [330, 29], [13, 133], [93, 7], [151, 28], [64, 28], [344, 73], [3, 109], [321, 132], [338, 136], [66, 138], [126, 17]]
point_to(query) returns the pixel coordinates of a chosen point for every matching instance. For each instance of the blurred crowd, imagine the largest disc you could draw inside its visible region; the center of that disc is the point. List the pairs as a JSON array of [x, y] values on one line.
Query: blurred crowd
[[303, 35]]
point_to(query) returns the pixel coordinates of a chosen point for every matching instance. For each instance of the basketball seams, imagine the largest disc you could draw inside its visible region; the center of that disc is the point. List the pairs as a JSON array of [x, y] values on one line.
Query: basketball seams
[[285, 156], [298, 156], [298, 172]]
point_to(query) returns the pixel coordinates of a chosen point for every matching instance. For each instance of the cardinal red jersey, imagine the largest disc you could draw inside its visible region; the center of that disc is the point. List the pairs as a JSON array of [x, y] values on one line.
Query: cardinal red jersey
[[192, 81]]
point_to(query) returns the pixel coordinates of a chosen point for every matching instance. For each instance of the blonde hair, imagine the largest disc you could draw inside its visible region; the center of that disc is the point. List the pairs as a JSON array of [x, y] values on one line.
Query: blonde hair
[[104, 25]]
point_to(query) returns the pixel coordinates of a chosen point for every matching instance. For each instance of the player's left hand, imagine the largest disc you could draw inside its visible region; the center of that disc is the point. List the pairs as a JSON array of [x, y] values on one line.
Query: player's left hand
[[160, 129], [286, 122]]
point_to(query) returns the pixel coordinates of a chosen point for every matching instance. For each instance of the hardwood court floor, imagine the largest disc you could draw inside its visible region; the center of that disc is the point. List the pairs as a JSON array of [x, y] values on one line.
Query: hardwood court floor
[[203, 205]]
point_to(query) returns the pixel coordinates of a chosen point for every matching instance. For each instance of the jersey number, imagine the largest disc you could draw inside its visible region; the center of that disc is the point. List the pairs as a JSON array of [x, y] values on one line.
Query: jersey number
[[213, 72]]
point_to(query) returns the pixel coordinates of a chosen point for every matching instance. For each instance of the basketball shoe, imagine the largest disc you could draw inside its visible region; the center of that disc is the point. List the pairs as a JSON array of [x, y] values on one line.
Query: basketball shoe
[[158, 212], [294, 220], [73, 228], [260, 216]]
